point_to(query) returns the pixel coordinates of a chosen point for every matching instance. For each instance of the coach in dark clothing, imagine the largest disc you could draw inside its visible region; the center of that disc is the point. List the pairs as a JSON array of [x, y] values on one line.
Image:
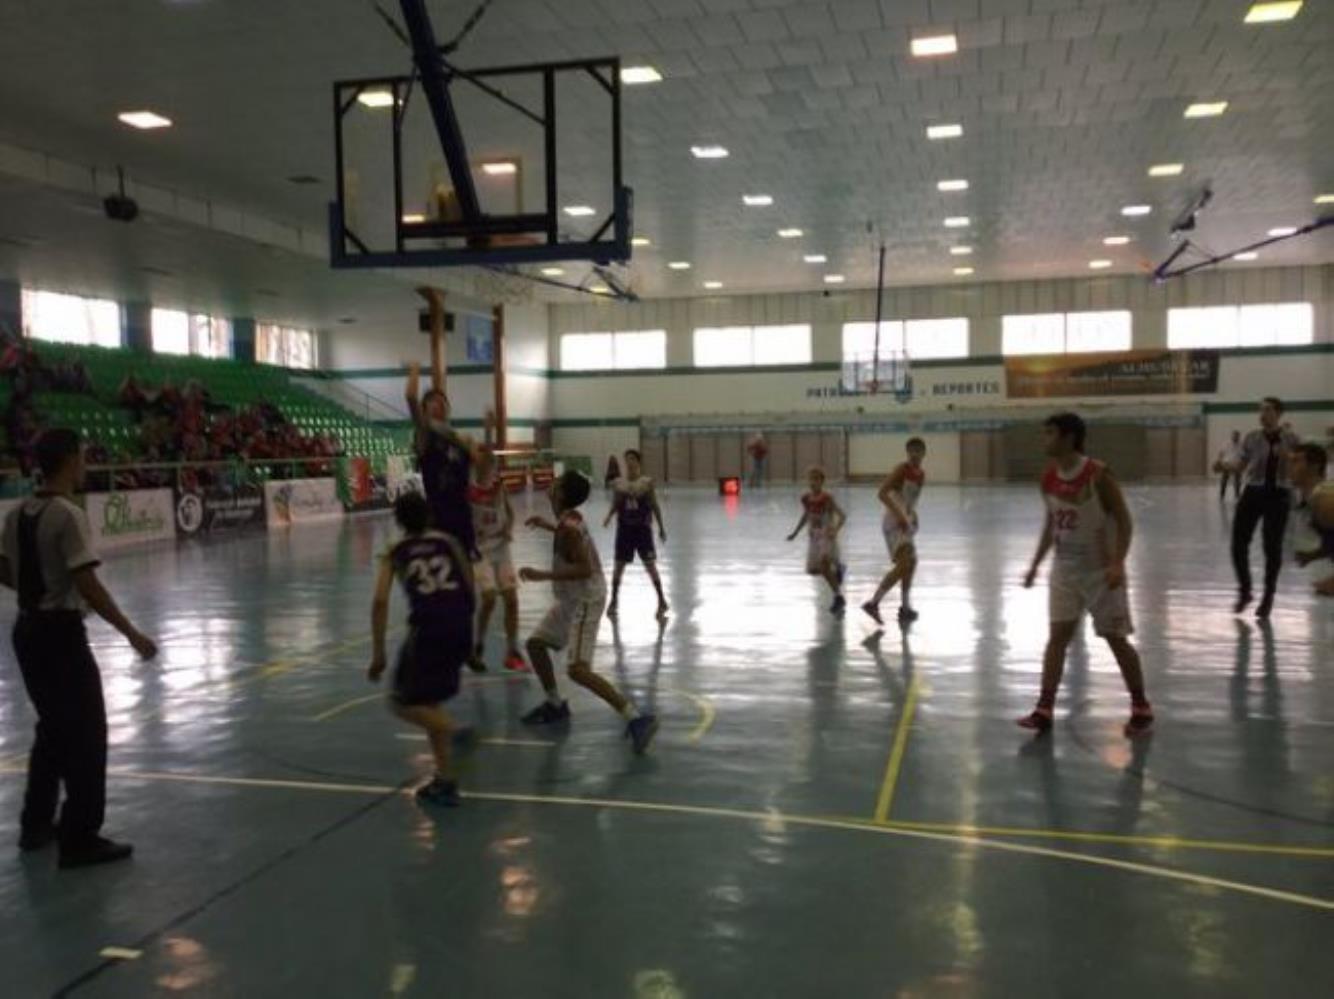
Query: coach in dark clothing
[[1263, 465], [47, 557]]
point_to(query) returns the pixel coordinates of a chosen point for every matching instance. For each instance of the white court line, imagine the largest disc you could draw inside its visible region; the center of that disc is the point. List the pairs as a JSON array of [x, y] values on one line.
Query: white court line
[[811, 821]]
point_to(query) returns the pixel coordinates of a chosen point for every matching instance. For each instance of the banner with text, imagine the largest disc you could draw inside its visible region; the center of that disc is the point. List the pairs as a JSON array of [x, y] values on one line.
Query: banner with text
[[299, 501], [125, 518], [218, 508], [1135, 372], [360, 488]]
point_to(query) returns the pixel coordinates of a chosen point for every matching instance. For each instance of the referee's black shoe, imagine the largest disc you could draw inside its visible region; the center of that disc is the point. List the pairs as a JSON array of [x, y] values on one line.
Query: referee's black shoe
[[96, 851]]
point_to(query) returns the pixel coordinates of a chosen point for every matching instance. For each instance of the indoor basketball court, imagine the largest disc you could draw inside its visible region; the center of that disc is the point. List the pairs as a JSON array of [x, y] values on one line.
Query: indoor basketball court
[[289, 278]]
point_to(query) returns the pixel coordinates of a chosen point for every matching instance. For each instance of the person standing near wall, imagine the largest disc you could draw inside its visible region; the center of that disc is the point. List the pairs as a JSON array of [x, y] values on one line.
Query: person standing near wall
[[758, 449], [1226, 465], [1263, 463], [47, 557]]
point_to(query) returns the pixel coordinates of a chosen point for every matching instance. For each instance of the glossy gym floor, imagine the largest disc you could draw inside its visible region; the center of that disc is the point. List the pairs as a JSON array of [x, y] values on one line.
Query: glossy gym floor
[[829, 810]]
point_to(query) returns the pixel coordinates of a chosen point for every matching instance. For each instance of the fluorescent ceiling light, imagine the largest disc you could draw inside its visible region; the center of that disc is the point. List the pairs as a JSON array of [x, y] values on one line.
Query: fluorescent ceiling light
[[962, 271], [1267, 13], [375, 98], [553, 271], [144, 119], [1116, 241], [500, 168], [1283, 230], [814, 258], [1134, 211], [413, 219], [1166, 169], [952, 185], [641, 241], [757, 200], [578, 211], [1245, 256], [944, 131], [960, 251], [639, 74], [790, 234], [1099, 265], [1206, 110], [713, 285], [679, 265], [600, 289], [1324, 199], [935, 45], [708, 152], [834, 279], [957, 222]]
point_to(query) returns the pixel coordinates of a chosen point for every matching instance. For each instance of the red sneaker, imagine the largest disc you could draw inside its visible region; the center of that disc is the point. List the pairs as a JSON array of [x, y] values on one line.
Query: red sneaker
[[514, 662], [1039, 720], [1140, 722]]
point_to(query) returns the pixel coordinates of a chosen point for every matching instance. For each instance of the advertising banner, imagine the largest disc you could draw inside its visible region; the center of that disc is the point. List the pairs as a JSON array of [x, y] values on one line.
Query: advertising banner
[[299, 501], [125, 518], [400, 478], [1135, 372], [360, 488], [219, 508]]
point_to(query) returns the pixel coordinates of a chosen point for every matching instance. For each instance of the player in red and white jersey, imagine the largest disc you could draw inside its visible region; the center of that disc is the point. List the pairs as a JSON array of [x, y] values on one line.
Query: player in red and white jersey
[[493, 528], [1089, 526], [899, 494], [822, 516]]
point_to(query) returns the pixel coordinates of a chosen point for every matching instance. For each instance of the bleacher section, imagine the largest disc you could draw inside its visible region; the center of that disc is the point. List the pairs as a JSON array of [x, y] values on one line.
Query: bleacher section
[[231, 383]]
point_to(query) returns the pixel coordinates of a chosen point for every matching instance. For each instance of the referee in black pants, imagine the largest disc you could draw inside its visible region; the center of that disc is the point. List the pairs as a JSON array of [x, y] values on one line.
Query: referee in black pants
[[1267, 498], [47, 557]]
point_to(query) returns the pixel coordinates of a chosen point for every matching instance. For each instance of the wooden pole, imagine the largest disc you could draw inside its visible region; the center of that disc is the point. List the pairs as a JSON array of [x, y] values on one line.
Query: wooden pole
[[438, 347], [498, 358]]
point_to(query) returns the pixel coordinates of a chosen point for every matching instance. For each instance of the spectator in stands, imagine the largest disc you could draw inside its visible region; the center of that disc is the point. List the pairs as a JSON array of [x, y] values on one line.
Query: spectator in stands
[[132, 397]]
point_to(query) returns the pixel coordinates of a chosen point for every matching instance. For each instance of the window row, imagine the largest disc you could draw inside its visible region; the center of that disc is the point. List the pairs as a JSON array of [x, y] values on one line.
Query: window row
[[1065, 333], [1287, 324], [60, 318]]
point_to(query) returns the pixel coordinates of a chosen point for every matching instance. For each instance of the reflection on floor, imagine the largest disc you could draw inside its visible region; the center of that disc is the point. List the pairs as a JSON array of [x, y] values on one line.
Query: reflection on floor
[[830, 810]]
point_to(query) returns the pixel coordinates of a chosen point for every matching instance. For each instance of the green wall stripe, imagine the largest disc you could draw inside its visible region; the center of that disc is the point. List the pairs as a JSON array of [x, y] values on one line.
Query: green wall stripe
[[1289, 406], [527, 421]]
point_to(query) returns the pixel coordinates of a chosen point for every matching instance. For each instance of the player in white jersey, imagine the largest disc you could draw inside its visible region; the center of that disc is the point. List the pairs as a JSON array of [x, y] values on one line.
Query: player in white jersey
[[1089, 525], [899, 494], [1307, 464], [823, 518], [493, 529], [572, 622]]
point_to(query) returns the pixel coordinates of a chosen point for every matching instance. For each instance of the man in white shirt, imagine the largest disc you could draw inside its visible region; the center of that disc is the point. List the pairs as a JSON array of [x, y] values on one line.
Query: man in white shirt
[[47, 558], [1267, 498]]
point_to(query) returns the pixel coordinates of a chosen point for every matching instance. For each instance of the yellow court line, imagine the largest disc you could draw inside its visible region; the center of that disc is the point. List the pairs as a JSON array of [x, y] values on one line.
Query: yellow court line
[[338, 709], [895, 762], [811, 821], [707, 713]]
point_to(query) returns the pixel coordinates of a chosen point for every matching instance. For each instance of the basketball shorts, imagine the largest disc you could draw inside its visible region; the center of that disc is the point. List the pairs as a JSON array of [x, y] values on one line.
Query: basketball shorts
[[572, 626], [495, 569], [819, 548], [635, 540], [1073, 591], [896, 537], [457, 522], [429, 661]]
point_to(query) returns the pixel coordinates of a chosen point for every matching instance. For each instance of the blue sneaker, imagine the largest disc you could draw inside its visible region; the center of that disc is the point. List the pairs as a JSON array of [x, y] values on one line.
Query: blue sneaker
[[640, 732], [842, 572], [444, 793], [839, 603], [547, 713]]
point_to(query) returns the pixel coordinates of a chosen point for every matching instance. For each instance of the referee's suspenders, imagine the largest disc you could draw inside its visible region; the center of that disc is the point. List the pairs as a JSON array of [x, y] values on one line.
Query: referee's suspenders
[[32, 585]]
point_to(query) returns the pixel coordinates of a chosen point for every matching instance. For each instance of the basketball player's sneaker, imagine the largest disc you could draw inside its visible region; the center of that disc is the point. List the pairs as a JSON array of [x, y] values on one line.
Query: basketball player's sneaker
[[907, 614], [547, 713], [839, 603], [1039, 720], [476, 661], [515, 663], [640, 732], [662, 612], [1141, 720], [873, 610], [439, 792], [612, 610]]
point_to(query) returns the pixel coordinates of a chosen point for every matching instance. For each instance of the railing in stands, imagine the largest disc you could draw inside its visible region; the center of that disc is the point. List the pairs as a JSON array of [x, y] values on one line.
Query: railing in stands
[[351, 398]]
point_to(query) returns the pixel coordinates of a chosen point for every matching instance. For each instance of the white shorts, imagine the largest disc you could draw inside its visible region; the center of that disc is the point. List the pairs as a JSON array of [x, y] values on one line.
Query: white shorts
[[495, 570], [896, 537], [573, 627], [819, 548], [1073, 591]]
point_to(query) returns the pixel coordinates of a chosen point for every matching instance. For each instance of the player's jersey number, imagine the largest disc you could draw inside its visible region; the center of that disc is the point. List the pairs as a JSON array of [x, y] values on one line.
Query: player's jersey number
[[432, 575]]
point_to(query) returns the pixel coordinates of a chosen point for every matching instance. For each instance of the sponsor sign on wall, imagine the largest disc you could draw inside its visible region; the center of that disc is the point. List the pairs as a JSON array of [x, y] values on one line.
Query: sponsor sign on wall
[[1136, 372], [219, 509], [400, 478], [299, 501], [125, 518], [360, 488]]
